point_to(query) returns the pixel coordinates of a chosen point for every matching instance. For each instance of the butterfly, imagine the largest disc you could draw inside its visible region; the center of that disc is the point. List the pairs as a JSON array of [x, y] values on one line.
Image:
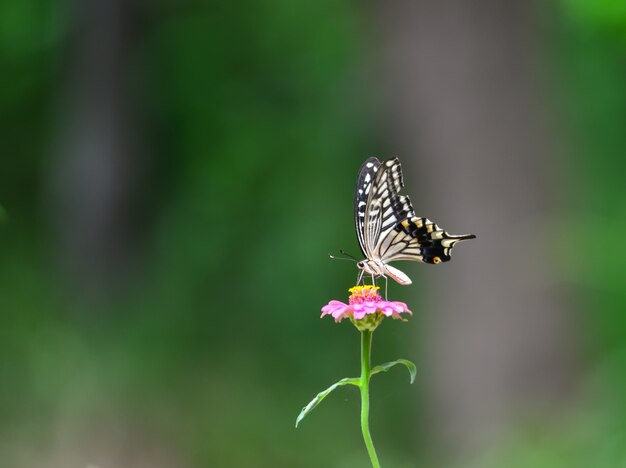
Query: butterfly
[[387, 227]]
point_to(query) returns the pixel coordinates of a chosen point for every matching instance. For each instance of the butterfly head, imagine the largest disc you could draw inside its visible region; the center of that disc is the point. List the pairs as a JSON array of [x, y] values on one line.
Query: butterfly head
[[370, 267]]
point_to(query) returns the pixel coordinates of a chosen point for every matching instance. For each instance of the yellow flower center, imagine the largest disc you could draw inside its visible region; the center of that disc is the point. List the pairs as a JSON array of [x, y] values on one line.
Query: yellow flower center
[[368, 292]]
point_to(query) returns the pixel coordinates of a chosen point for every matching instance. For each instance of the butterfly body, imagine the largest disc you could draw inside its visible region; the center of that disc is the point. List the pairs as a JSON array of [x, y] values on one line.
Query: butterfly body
[[387, 227], [379, 268]]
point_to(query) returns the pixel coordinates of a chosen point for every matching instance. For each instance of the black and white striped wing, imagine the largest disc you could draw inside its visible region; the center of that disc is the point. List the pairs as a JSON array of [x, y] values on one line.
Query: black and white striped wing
[[364, 183], [386, 225], [418, 239], [385, 207]]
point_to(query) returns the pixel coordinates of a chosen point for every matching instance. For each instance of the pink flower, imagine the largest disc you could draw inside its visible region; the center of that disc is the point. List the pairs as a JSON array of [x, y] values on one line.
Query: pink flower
[[364, 301]]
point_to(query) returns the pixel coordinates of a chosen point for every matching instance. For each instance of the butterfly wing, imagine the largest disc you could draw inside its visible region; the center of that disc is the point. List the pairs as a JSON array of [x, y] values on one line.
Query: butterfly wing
[[385, 207], [386, 225], [418, 239], [364, 184], [404, 236]]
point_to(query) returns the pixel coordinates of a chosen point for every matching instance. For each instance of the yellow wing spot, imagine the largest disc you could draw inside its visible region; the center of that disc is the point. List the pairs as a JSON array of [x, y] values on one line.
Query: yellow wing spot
[[405, 223], [436, 260], [429, 227]]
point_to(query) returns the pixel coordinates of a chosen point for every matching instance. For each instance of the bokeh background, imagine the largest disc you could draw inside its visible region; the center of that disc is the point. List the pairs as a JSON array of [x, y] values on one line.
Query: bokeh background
[[174, 175]]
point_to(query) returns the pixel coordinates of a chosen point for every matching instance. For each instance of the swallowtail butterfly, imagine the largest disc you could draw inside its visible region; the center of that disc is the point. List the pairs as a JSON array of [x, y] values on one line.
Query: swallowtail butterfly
[[387, 227]]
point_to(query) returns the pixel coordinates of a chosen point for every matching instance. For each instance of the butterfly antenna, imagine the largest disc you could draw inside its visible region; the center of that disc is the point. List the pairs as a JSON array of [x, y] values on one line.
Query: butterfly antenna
[[345, 257], [343, 252]]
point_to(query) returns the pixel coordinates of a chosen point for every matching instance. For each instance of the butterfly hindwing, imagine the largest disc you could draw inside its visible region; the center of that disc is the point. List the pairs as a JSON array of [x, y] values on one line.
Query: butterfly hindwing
[[421, 240]]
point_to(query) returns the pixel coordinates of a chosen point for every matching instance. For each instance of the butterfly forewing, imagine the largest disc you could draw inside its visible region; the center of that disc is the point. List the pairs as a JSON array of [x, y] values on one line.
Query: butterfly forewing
[[364, 183], [397, 207], [385, 207]]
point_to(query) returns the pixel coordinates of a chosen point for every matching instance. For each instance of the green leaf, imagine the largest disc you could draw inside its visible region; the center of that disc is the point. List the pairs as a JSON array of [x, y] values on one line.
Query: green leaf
[[321, 395], [388, 365]]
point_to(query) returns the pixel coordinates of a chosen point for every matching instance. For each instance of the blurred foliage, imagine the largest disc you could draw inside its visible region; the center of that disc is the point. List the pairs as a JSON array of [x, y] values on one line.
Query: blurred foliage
[[255, 119], [592, 57], [252, 118], [601, 15], [589, 67]]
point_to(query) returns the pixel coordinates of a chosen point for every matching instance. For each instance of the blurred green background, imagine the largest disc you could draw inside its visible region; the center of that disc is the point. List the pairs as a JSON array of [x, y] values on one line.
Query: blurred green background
[[174, 175]]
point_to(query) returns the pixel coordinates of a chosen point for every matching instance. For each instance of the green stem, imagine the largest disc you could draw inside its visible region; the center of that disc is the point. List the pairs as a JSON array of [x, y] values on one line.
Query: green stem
[[366, 348]]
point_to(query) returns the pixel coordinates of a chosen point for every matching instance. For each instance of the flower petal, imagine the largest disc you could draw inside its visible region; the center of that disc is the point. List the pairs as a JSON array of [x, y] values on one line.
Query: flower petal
[[342, 313], [332, 307], [401, 307], [359, 311], [363, 302]]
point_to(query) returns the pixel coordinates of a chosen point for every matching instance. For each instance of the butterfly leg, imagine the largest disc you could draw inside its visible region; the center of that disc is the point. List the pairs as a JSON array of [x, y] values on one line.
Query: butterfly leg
[[386, 285], [359, 277]]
